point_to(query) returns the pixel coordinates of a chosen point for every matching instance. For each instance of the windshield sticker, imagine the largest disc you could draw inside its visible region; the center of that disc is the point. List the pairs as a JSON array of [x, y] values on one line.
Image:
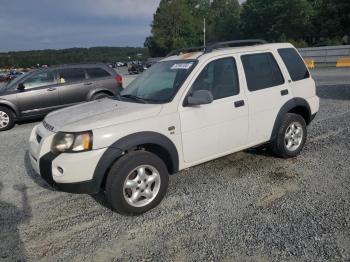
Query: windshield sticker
[[182, 66]]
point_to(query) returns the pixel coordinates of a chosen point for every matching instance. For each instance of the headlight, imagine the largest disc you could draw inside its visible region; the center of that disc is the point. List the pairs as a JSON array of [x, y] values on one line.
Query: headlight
[[71, 142]]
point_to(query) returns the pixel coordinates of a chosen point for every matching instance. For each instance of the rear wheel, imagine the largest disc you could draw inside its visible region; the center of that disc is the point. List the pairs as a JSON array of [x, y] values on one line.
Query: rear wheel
[[136, 183], [100, 96], [291, 136], [7, 119]]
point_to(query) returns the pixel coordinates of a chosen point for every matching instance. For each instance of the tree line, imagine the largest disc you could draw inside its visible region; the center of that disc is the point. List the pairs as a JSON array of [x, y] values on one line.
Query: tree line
[[71, 55], [178, 23]]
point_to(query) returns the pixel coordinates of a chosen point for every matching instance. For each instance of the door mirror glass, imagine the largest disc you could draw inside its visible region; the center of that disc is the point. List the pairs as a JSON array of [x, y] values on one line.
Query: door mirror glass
[[200, 97]]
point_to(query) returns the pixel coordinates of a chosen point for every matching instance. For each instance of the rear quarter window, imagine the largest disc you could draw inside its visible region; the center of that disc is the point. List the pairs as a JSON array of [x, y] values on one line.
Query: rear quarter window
[[262, 71], [294, 63], [97, 72]]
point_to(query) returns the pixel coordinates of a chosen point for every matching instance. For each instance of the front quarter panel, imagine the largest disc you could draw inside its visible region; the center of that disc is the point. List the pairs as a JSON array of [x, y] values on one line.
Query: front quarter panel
[[10, 100], [167, 125]]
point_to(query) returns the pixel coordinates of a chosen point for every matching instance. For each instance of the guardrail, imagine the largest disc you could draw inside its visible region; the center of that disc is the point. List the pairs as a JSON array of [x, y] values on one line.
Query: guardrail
[[327, 55]]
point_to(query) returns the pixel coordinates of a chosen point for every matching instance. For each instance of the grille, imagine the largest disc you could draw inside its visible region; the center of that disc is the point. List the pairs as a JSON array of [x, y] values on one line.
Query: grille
[[48, 126]]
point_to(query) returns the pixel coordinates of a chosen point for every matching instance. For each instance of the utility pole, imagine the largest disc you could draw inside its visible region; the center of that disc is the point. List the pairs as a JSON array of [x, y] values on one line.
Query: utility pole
[[204, 40]]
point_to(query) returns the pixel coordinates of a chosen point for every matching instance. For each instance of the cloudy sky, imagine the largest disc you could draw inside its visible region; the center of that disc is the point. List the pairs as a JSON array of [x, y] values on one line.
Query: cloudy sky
[[41, 24], [55, 24]]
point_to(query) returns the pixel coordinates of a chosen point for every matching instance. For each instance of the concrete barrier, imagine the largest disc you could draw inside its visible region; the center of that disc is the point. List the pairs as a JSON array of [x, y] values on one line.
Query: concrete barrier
[[325, 55], [310, 63], [343, 62]]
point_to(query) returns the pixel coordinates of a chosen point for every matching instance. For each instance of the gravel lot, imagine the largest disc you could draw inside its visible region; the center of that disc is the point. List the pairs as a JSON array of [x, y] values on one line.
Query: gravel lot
[[247, 206]]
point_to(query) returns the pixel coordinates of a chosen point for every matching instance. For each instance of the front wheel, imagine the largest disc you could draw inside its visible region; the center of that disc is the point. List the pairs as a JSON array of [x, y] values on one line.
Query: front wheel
[[291, 136], [136, 183], [7, 119]]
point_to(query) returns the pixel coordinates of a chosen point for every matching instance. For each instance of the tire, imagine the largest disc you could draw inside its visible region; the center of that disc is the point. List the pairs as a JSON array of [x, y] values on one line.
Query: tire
[[7, 119], [100, 96], [124, 180], [291, 136]]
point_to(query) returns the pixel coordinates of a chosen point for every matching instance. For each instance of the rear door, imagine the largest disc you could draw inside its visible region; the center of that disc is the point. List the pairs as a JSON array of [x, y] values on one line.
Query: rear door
[[40, 94], [101, 80], [74, 85], [267, 91], [300, 80]]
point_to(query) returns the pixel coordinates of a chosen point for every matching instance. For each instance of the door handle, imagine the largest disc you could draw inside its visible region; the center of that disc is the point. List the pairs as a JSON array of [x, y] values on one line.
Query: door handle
[[51, 89], [87, 84], [239, 103], [284, 92]]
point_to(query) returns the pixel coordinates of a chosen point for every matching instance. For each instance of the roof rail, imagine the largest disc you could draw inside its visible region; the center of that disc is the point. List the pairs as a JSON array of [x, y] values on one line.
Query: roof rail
[[190, 49], [211, 47], [234, 43]]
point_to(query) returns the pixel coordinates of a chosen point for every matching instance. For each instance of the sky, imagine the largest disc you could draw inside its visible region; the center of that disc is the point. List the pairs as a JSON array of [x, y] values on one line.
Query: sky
[[57, 24]]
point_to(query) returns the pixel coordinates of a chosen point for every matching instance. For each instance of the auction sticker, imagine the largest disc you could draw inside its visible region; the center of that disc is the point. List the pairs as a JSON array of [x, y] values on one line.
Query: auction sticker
[[182, 66]]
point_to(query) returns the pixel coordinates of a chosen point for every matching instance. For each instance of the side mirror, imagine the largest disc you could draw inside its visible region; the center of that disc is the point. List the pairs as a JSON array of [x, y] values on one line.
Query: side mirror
[[20, 87], [200, 97]]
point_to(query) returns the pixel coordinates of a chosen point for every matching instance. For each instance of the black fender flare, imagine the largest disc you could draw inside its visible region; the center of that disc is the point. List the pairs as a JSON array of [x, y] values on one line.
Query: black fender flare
[[117, 149], [10, 105], [289, 105]]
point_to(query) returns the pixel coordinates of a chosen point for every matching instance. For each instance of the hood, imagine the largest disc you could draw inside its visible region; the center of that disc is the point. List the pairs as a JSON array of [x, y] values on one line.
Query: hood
[[98, 114]]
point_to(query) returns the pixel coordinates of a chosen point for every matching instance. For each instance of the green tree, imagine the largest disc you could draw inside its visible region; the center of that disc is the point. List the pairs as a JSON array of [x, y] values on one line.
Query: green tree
[[223, 22], [174, 26], [276, 20], [331, 20]]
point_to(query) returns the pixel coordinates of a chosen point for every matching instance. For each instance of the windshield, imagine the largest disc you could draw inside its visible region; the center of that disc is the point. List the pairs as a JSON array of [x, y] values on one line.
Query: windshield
[[160, 83], [15, 81]]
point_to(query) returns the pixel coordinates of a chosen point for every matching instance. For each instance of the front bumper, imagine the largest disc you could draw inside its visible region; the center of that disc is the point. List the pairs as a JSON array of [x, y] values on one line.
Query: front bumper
[[84, 187], [71, 172]]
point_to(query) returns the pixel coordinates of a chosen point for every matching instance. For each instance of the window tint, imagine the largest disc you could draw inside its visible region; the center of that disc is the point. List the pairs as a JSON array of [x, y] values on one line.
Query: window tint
[[40, 79], [97, 72], [71, 75], [219, 77], [261, 71], [295, 65]]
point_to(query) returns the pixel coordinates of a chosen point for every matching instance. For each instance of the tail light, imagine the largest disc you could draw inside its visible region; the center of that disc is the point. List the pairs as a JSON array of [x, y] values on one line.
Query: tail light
[[119, 79]]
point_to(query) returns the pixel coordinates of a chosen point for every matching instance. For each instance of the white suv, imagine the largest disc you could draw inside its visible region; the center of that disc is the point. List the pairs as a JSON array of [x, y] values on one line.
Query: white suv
[[189, 108]]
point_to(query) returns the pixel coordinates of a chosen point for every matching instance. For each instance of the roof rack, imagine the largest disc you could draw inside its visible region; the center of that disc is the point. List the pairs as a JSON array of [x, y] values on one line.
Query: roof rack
[[188, 50], [211, 47], [234, 43]]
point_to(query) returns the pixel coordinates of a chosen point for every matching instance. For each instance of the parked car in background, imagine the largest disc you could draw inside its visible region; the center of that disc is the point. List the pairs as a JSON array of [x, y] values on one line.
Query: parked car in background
[[39, 92], [135, 68], [14, 74], [119, 64], [4, 77]]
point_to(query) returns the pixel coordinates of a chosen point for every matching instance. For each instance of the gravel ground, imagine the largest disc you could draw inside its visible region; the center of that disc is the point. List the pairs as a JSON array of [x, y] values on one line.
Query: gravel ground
[[248, 206]]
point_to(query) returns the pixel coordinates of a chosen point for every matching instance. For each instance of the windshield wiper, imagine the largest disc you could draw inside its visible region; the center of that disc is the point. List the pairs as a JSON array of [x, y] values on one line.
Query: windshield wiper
[[144, 101]]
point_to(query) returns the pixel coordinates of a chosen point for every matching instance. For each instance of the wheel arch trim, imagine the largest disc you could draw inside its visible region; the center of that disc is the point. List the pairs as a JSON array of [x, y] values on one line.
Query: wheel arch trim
[[117, 149], [288, 106], [11, 106]]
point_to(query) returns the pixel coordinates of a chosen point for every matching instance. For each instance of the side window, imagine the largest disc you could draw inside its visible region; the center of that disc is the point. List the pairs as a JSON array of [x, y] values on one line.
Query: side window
[[70, 75], [97, 72], [261, 71], [39, 80], [219, 77], [295, 65]]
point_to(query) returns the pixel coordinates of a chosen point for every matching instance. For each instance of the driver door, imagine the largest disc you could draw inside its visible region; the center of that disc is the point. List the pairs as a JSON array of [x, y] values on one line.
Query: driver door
[[221, 127], [40, 94]]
